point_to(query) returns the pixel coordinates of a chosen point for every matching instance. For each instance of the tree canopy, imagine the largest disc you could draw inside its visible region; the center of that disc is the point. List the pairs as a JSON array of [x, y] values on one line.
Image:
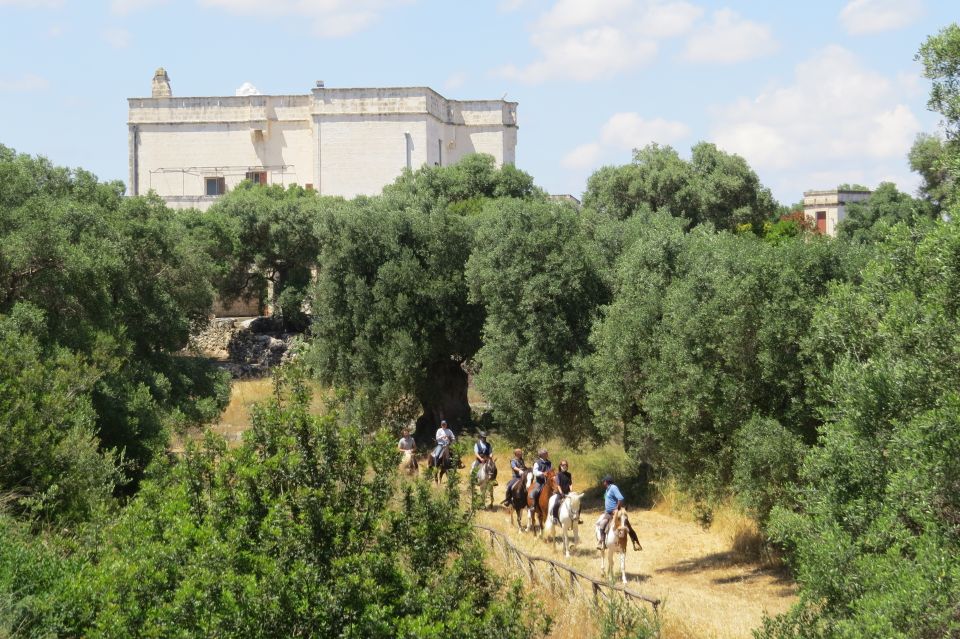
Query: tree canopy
[[115, 285], [537, 276], [712, 187]]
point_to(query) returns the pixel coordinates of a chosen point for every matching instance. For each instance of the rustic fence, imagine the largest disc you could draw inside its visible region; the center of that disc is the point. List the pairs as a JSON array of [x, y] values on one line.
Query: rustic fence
[[527, 564]]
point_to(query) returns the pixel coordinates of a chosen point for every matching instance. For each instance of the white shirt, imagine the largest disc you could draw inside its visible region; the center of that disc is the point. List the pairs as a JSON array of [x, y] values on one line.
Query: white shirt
[[445, 436]]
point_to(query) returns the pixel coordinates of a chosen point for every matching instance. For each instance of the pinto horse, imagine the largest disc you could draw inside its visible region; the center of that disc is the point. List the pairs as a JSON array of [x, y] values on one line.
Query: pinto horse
[[539, 511], [486, 476], [616, 543], [569, 516]]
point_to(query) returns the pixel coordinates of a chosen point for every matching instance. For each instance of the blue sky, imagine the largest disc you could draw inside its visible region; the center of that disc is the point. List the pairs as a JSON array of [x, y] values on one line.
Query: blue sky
[[811, 93]]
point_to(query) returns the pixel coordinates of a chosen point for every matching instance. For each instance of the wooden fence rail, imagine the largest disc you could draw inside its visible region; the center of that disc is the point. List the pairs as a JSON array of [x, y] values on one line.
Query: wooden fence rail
[[526, 563]]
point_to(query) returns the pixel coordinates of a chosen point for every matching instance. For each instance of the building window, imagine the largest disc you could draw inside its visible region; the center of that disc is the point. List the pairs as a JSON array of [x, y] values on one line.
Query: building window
[[821, 222], [257, 177], [216, 185]]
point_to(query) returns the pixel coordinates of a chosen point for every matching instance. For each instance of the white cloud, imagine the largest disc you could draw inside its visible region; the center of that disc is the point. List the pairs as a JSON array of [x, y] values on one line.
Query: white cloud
[[247, 88], [124, 7], [625, 131], [584, 156], [873, 16], [56, 31], [728, 39], [117, 38], [837, 118], [588, 40], [26, 83], [329, 18], [631, 131]]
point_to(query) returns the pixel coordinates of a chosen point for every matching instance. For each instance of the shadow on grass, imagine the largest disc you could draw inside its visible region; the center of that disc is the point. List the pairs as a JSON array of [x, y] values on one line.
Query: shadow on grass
[[725, 561]]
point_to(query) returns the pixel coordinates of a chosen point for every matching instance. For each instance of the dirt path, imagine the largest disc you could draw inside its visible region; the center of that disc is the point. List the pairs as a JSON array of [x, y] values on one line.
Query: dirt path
[[705, 591]]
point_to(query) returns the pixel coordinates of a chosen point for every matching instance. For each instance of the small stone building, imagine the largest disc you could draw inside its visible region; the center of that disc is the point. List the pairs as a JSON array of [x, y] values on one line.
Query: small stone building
[[826, 209], [346, 142]]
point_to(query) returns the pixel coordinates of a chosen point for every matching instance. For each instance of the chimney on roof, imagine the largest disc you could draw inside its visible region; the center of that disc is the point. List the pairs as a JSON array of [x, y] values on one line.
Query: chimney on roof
[[161, 84], [319, 84]]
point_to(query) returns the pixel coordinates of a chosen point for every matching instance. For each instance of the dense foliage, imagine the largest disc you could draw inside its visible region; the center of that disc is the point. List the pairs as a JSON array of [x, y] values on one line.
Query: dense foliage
[[301, 531], [264, 237], [712, 187], [869, 221], [876, 539], [703, 334], [538, 278], [391, 313], [110, 286]]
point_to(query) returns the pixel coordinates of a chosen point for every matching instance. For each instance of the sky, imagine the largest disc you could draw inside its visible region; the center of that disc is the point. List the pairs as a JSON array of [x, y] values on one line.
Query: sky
[[813, 94]]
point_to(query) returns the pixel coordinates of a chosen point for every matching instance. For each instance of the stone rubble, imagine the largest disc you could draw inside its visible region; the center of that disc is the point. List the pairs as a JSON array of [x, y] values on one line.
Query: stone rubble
[[246, 347]]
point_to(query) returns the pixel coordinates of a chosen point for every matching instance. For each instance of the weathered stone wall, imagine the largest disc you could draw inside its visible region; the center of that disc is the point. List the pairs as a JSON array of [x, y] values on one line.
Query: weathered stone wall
[[246, 348]]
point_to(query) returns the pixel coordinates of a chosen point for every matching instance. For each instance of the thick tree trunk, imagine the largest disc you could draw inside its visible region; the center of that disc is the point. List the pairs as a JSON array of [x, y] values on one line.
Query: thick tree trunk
[[444, 396]]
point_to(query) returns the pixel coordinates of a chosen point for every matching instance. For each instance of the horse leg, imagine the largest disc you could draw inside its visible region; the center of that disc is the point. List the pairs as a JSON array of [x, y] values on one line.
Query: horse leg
[[623, 566]]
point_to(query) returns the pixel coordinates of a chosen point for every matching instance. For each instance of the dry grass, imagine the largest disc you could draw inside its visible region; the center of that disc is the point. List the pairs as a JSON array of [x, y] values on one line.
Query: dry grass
[[729, 521], [236, 417]]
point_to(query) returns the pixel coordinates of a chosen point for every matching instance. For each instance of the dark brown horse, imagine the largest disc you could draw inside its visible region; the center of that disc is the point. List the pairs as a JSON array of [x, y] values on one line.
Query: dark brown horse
[[517, 498], [441, 465], [539, 511]]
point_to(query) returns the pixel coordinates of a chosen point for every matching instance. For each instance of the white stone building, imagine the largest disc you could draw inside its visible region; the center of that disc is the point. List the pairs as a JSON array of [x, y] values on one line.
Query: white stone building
[[826, 209], [336, 141]]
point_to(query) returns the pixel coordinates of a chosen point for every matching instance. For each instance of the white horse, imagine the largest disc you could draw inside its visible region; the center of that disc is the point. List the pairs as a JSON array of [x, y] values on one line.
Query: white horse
[[569, 520], [616, 543], [409, 464], [486, 478]]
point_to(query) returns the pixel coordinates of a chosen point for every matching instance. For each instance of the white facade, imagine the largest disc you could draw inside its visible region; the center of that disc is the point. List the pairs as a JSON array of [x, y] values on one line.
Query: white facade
[[826, 209], [343, 142]]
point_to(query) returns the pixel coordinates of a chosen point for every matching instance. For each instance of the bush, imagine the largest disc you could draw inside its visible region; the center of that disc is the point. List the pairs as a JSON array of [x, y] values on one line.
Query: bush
[[766, 466]]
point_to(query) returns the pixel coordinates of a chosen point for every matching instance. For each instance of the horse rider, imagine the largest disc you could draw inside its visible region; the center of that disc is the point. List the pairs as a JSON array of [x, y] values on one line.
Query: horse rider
[[444, 438], [564, 486], [612, 500], [518, 467], [482, 451], [406, 441], [540, 468]]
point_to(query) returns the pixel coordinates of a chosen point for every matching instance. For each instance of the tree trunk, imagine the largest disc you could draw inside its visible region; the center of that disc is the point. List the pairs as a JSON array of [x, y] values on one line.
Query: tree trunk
[[443, 396]]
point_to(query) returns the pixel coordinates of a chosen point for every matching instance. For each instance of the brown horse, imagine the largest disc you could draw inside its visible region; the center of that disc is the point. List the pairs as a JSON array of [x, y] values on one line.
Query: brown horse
[[540, 511]]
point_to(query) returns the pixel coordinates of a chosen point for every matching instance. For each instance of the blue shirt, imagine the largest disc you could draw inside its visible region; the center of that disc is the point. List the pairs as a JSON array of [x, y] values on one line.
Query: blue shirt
[[611, 497], [483, 448]]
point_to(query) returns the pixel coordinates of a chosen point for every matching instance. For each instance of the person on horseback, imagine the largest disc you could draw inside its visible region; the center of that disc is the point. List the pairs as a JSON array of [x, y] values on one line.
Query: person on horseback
[[540, 468], [517, 467], [612, 500], [406, 441], [482, 451], [564, 485], [444, 438]]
